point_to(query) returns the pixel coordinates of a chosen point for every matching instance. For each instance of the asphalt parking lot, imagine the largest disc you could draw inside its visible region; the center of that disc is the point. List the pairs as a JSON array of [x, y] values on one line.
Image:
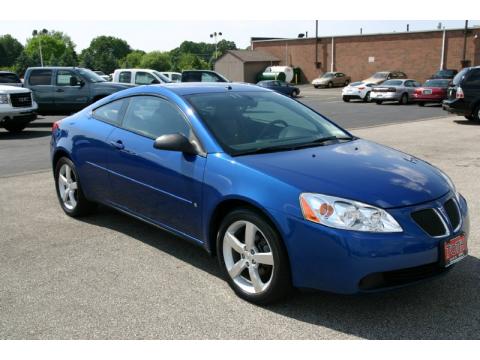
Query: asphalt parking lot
[[110, 276]]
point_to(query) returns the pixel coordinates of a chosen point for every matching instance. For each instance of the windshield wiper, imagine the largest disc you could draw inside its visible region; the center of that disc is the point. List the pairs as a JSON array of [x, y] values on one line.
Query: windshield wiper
[[316, 142]]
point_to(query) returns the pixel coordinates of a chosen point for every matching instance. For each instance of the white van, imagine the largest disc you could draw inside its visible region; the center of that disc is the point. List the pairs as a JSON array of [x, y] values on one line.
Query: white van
[[173, 76], [139, 77]]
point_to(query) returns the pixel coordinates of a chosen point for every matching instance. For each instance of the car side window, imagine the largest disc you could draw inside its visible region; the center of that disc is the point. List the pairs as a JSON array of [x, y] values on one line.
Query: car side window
[[40, 77], [125, 77], [152, 117], [63, 77], [473, 78], [144, 78], [111, 113], [408, 84]]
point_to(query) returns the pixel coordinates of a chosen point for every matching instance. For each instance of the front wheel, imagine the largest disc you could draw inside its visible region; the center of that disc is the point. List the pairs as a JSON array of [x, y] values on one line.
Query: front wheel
[[378, 102], [253, 258], [346, 99], [476, 114], [421, 104], [294, 93], [69, 191], [346, 82]]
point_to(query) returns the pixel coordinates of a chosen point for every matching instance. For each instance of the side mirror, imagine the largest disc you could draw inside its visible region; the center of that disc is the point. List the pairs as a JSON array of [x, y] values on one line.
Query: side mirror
[[175, 142], [74, 81], [81, 83], [155, 81]]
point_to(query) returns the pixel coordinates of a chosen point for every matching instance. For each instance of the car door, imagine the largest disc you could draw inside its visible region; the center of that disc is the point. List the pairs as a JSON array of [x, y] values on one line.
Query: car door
[[158, 185], [409, 87], [339, 79], [40, 81], [71, 91]]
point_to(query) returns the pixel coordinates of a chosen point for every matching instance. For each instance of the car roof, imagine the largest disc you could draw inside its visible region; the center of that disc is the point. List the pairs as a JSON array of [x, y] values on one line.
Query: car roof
[[6, 72], [195, 88]]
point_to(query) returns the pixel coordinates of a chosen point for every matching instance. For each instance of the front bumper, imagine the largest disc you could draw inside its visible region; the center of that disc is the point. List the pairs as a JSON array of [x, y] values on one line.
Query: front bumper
[[341, 261], [18, 114]]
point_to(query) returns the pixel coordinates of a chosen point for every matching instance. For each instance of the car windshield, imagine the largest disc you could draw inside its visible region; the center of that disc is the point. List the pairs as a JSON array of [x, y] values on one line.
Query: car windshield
[[437, 83], [163, 77], [380, 75], [444, 73], [393, 82], [91, 76], [328, 75], [459, 77], [249, 122]]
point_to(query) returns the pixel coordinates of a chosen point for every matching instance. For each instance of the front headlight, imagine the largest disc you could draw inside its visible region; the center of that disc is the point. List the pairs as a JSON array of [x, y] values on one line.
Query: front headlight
[[3, 99], [346, 214]]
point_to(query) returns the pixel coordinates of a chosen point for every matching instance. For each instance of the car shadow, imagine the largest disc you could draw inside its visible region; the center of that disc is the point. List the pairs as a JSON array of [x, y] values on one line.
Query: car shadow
[[25, 134], [447, 307], [467, 122]]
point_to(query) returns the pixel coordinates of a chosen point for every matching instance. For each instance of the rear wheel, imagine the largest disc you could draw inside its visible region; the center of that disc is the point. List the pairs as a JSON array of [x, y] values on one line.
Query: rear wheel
[[330, 84], [294, 93], [421, 104], [404, 99], [316, 86], [69, 190], [253, 258], [469, 117], [347, 82], [15, 128], [476, 114]]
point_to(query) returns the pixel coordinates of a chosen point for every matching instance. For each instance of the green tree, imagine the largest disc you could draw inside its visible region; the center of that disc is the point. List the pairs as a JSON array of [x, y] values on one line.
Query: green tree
[[25, 61], [10, 50], [132, 60], [104, 53], [190, 62], [156, 60], [57, 48]]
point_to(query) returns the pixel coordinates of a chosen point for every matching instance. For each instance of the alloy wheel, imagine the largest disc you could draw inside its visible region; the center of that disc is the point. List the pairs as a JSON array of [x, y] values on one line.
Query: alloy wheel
[[248, 257], [68, 186]]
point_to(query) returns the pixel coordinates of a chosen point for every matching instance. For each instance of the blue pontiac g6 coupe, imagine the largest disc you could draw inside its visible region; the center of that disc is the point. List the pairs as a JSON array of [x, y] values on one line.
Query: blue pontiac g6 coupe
[[283, 196]]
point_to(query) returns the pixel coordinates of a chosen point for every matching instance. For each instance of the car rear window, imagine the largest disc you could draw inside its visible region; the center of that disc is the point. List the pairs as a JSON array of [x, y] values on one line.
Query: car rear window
[[9, 78], [40, 77], [460, 76], [393, 82]]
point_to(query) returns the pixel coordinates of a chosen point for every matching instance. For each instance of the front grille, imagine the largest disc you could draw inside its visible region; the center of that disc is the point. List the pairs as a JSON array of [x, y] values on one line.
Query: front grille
[[400, 277], [453, 214], [429, 220], [21, 100]]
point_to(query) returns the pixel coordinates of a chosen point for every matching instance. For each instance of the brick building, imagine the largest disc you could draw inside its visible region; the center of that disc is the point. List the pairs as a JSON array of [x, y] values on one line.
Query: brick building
[[417, 53]]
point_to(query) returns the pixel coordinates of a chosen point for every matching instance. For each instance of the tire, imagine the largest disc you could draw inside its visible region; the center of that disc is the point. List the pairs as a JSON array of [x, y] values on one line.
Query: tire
[[469, 117], [294, 93], [15, 128], [403, 99], [316, 86], [347, 82], [346, 99], [72, 200], [378, 102], [237, 258], [421, 104], [367, 97], [330, 84], [476, 114]]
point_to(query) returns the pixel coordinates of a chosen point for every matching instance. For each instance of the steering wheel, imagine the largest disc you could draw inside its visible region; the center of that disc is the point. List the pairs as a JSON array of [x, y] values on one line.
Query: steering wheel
[[271, 125]]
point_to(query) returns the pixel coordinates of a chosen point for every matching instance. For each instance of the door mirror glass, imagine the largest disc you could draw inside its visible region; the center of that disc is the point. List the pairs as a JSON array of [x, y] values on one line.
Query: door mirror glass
[[175, 142]]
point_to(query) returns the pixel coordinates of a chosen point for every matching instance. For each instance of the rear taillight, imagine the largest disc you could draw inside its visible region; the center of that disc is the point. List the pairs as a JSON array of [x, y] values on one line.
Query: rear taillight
[[418, 91], [460, 94], [361, 87], [55, 126]]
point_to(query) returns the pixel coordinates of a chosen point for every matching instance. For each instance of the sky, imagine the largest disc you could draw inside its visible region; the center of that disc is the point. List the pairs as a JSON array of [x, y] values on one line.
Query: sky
[[165, 35]]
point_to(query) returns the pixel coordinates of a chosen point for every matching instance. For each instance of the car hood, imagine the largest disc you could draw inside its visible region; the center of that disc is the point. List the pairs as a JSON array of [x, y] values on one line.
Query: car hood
[[8, 89], [359, 170], [112, 85], [374, 81]]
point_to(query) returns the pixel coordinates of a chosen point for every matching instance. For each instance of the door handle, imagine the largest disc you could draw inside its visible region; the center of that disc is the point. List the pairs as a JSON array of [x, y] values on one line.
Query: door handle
[[117, 144], [59, 90]]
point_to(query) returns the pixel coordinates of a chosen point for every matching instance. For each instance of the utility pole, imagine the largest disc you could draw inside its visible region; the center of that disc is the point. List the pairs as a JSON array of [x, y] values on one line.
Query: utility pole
[[316, 44], [36, 33], [464, 57]]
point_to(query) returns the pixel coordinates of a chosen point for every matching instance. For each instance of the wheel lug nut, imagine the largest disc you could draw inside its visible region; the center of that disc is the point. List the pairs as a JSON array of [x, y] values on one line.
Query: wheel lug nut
[[243, 256], [247, 264], [252, 251], [253, 262]]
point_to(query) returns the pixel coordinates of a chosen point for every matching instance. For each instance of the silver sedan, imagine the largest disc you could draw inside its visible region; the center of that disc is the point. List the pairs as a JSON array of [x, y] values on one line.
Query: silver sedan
[[399, 90]]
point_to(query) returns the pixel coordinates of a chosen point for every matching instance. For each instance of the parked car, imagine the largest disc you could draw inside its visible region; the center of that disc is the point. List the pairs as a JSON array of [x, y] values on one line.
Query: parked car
[[400, 90], [139, 77], [284, 197], [357, 90], [382, 76], [444, 74], [10, 79], [432, 91], [17, 108], [173, 76], [64, 90], [331, 79], [103, 75], [280, 86], [464, 94], [202, 76]]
